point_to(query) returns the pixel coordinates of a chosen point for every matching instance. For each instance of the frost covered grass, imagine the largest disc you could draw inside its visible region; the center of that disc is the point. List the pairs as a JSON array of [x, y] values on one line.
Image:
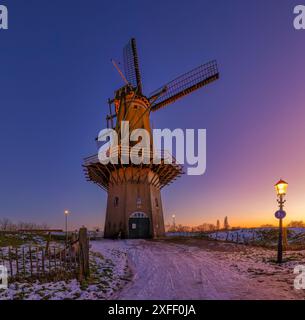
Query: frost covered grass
[[17, 239]]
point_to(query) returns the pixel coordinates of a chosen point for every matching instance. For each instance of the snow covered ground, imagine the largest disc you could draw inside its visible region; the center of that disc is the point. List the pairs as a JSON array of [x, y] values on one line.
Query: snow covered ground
[[200, 269], [109, 272], [259, 236], [186, 268]]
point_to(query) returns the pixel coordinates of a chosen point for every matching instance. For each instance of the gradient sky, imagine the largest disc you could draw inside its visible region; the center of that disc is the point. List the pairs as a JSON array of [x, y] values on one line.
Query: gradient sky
[[56, 76]]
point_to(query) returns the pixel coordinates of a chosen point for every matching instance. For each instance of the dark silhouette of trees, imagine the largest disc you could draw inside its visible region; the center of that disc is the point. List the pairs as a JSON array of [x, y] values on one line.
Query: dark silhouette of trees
[[296, 224], [218, 225], [226, 225], [7, 225]]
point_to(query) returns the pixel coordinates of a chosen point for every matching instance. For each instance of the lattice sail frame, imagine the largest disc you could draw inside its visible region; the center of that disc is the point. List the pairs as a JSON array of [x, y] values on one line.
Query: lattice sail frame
[[131, 65], [186, 84]]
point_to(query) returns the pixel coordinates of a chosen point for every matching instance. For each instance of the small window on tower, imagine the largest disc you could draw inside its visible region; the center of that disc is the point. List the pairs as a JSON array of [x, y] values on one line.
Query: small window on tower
[[156, 203], [116, 201], [139, 202]]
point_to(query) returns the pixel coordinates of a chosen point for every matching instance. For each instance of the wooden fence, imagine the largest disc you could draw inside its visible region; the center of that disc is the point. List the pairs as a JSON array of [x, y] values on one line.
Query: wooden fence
[[48, 262]]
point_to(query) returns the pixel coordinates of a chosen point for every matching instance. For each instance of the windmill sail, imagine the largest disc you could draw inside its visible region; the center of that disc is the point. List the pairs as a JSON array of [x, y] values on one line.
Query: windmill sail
[[185, 84], [131, 65]]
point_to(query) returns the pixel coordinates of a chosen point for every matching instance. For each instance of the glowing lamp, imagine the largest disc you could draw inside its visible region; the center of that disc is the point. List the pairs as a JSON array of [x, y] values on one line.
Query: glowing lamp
[[281, 188]]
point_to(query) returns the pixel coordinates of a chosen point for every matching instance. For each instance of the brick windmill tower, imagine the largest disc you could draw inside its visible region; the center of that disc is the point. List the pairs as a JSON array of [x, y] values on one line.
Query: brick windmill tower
[[134, 206]]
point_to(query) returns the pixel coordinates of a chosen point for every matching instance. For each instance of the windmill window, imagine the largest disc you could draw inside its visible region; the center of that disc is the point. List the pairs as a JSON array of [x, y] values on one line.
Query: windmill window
[[139, 202], [156, 202], [116, 201]]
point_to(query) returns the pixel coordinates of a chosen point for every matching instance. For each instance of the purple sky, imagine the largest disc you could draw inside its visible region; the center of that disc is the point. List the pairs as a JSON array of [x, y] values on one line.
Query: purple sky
[[56, 77]]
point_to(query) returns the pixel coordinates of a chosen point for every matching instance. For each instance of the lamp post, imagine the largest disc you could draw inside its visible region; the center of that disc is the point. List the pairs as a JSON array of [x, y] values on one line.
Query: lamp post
[[281, 190], [66, 217], [174, 222]]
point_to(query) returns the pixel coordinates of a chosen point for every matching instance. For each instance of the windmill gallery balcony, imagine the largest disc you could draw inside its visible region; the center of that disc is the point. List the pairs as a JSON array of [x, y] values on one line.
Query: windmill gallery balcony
[[161, 170]]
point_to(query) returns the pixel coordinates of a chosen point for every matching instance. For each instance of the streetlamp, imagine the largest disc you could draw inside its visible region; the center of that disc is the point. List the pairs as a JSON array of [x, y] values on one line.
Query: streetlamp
[[174, 221], [66, 216], [281, 190]]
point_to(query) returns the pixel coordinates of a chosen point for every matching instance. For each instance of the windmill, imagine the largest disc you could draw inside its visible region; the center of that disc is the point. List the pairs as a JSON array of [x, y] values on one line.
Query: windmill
[[134, 206]]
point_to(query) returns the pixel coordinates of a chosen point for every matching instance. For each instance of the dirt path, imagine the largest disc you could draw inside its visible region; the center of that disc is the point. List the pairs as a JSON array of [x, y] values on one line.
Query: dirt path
[[164, 270]]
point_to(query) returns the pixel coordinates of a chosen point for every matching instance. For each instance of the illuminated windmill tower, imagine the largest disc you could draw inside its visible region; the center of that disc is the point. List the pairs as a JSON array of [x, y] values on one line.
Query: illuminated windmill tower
[[134, 206]]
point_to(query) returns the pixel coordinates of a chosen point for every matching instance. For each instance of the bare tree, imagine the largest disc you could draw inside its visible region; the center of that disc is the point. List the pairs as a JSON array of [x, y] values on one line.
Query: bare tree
[[212, 227], [5, 224], [44, 226], [181, 228], [226, 225], [296, 224], [218, 225]]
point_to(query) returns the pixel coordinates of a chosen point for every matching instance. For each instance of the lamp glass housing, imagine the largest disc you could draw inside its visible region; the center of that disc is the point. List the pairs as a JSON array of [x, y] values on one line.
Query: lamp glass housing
[[281, 188]]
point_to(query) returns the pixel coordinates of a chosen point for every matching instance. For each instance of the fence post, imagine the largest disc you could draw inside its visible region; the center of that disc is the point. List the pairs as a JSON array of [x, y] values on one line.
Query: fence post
[[10, 261], [64, 254], [37, 262], [17, 262], [42, 258], [83, 254], [23, 262], [49, 257], [31, 260], [54, 251], [60, 260], [48, 243], [70, 256]]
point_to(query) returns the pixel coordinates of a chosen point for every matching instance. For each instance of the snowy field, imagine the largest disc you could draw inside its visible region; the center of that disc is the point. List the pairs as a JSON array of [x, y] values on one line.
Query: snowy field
[[185, 268], [256, 236], [260, 236]]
